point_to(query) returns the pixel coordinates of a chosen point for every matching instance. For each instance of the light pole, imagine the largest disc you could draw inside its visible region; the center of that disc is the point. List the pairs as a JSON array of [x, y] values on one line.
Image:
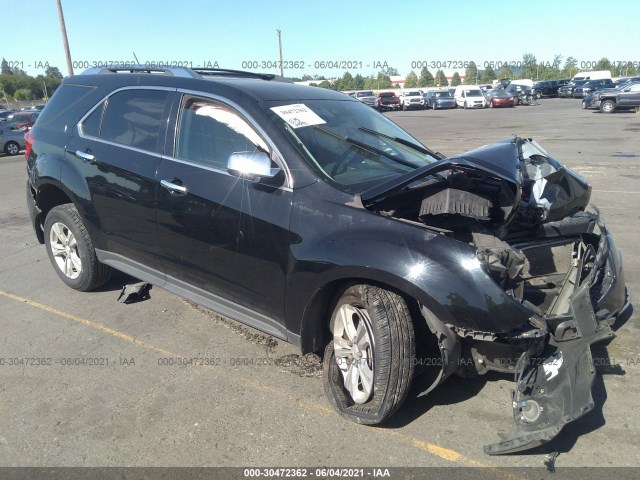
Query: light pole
[[65, 41]]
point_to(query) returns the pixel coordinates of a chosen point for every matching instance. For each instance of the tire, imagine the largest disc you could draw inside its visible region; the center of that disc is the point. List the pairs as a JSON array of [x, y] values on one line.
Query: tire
[[11, 148], [607, 106], [71, 251], [381, 367]]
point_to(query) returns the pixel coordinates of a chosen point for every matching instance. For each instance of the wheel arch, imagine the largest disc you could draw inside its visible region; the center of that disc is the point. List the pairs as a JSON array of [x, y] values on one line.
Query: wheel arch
[[47, 195], [314, 326]]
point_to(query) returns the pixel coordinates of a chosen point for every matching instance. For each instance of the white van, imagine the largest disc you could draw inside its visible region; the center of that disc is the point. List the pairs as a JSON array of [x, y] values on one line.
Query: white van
[[523, 81], [469, 96], [595, 75]]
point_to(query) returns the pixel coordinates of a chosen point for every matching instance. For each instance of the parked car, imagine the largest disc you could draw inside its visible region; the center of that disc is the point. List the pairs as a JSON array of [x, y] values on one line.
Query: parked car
[[23, 119], [11, 138], [516, 91], [388, 101], [499, 97], [312, 217], [367, 97], [469, 96], [411, 99], [619, 99], [4, 114], [590, 86], [547, 88], [592, 100], [566, 91], [439, 99]]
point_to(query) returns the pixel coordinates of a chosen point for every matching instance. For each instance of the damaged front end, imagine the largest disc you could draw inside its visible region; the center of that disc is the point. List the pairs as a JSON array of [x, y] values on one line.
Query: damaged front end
[[538, 238]]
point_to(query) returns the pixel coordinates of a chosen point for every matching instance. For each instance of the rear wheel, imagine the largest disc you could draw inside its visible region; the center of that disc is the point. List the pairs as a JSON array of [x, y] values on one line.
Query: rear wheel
[[607, 106], [11, 148], [369, 362], [71, 251]]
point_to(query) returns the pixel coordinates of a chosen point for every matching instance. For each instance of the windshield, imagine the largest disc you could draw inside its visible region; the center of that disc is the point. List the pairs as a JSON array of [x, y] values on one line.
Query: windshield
[[348, 142], [442, 95], [413, 94], [365, 94], [473, 93]]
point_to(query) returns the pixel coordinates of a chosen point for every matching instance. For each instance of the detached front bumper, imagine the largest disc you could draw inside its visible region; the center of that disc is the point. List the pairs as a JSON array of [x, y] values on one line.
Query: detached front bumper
[[555, 375]]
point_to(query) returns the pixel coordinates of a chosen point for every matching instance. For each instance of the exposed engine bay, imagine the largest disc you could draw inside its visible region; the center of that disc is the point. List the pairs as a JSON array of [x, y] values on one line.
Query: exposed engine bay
[[531, 229]]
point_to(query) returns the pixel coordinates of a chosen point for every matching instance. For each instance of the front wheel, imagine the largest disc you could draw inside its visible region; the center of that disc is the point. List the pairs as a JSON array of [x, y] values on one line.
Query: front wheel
[[369, 362], [71, 251], [607, 106]]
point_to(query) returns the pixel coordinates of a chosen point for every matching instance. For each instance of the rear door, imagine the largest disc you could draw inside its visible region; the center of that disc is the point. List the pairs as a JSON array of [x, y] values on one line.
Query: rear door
[[222, 238], [117, 151]]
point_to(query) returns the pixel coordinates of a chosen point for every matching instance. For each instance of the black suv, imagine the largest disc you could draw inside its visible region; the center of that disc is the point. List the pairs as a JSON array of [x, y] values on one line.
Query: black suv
[[312, 217]]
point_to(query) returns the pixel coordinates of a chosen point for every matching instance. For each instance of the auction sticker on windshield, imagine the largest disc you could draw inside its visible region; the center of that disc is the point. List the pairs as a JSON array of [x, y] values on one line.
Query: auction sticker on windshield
[[298, 115]]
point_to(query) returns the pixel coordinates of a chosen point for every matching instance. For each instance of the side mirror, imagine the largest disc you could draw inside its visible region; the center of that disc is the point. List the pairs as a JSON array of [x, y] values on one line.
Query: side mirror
[[251, 165]]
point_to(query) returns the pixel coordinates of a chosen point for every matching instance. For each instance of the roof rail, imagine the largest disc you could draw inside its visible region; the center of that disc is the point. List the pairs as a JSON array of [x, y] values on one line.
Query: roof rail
[[226, 72], [179, 71], [157, 70]]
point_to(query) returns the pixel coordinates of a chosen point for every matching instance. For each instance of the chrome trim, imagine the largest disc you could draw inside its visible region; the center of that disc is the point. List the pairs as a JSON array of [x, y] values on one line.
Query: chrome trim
[[173, 187], [81, 133], [213, 169], [276, 155]]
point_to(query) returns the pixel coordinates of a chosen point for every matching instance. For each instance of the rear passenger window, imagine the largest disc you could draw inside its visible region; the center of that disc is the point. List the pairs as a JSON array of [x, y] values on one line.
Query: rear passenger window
[[210, 131], [133, 118]]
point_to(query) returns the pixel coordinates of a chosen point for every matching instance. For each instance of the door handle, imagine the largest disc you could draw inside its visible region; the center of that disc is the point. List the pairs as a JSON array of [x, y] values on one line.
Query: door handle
[[174, 188], [86, 157]]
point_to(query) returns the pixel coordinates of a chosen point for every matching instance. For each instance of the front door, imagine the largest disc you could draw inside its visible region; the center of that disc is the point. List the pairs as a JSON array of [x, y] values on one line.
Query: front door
[[220, 235]]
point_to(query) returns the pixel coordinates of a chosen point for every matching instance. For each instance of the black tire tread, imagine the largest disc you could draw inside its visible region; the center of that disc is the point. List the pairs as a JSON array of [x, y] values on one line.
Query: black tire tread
[[394, 353], [97, 273]]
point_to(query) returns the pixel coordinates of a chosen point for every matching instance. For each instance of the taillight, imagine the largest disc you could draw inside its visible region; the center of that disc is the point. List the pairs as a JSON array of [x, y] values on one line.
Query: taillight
[[28, 140]]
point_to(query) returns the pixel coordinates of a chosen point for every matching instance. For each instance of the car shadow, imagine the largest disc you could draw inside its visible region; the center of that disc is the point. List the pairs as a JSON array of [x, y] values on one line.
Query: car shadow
[[455, 389]]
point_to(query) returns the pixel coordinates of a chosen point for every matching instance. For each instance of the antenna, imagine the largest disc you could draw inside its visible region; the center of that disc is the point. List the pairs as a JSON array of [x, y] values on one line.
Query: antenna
[[280, 47]]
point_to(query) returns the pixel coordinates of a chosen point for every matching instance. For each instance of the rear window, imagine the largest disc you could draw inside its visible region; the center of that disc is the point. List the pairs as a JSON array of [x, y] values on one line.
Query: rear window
[[64, 98], [133, 118]]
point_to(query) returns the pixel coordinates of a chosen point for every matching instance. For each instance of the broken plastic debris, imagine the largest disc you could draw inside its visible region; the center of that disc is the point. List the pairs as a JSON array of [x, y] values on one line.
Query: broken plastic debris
[[135, 292]]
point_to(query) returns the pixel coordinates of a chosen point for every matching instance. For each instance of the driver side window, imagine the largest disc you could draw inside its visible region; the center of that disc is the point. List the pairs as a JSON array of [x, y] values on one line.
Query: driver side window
[[210, 131]]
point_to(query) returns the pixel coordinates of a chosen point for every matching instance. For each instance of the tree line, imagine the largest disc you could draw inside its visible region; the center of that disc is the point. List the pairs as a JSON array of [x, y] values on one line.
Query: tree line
[[15, 84], [529, 68]]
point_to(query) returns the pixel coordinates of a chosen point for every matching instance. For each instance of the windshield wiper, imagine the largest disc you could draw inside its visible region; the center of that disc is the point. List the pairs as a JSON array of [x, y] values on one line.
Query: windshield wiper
[[368, 148], [404, 142]]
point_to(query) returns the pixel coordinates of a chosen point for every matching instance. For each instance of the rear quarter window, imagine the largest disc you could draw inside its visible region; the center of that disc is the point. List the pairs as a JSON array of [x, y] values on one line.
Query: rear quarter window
[[65, 97]]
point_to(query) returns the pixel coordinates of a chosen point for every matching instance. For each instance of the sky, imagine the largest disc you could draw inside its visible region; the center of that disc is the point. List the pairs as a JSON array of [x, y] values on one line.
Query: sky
[[359, 37]]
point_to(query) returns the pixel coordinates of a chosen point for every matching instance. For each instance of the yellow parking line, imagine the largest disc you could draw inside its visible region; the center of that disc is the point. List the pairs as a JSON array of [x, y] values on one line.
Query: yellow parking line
[[433, 449]]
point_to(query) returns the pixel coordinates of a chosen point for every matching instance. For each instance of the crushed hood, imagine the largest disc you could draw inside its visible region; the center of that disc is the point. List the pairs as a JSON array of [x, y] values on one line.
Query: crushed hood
[[543, 189]]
